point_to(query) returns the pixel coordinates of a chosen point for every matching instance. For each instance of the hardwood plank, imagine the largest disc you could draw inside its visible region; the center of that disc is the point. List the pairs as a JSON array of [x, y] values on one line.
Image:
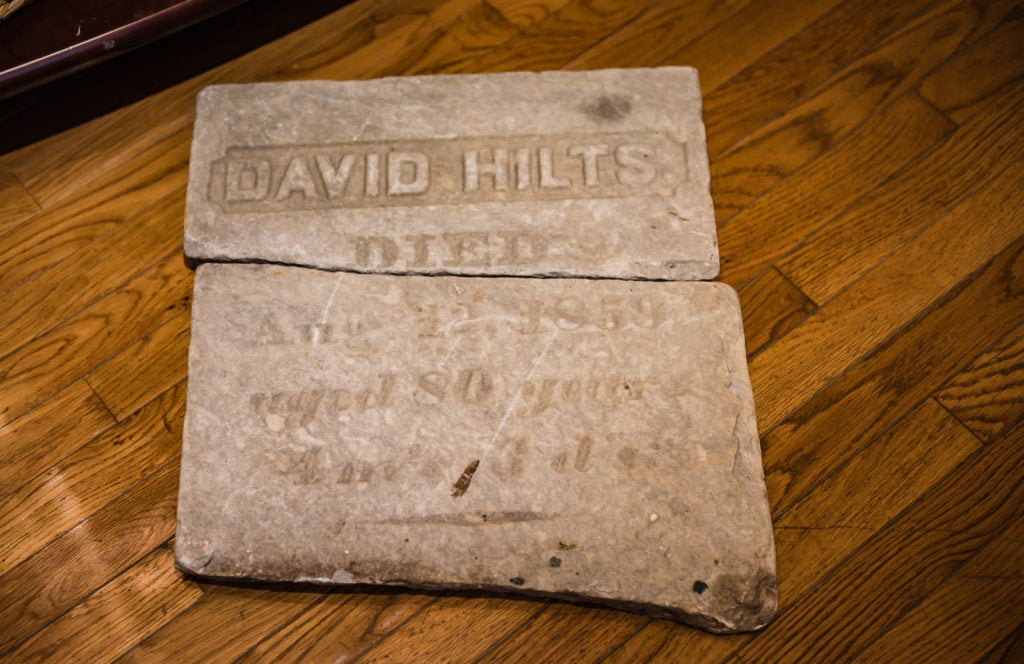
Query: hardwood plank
[[845, 509], [771, 306], [899, 374], [1007, 651], [144, 369], [86, 275], [560, 37], [470, 36], [89, 477], [747, 35], [524, 13], [862, 235], [798, 66], [987, 588], [16, 204], [38, 439], [656, 34], [813, 126], [71, 349], [158, 173], [847, 328], [651, 642], [988, 395], [838, 516], [338, 628], [569, 633], [966, 83], [452, 629], [198, 633], [904, 562], [81, 560], [806, 200], [403, 27], [112, 619]]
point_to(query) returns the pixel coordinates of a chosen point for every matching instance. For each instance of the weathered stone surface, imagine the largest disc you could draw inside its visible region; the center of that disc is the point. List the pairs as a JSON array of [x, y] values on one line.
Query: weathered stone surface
[[601, 173], [588, 439]]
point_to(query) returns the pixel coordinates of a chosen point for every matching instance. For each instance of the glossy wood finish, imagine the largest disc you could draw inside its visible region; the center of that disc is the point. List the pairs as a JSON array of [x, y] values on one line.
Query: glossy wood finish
[[868, 175]]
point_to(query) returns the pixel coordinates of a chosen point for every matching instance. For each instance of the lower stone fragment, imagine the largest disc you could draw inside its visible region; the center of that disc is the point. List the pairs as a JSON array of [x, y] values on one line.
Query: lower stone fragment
[[575, 438]]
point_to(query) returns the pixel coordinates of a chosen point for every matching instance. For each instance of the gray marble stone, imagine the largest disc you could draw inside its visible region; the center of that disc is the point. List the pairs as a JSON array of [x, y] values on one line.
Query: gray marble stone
[[574, 438], [601, 173]]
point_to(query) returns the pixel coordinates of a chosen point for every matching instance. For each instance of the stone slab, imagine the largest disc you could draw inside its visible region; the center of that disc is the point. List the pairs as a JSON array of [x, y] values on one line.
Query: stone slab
[[577, 438], [601, 173]]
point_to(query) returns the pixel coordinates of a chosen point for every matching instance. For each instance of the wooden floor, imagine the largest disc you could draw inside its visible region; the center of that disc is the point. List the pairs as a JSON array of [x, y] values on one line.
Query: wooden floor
[[868, 178]]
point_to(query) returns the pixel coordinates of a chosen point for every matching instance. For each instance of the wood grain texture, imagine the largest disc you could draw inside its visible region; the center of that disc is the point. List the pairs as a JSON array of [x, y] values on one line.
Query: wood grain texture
[[797, 66], [338, 628], [198, 633], [86, 557], [935, 631], [814, 124], [867, 174], [772, 306], [936, 535], [797, 207], [100, 628], [662, 29], [961, 87], [746, 37], [897, 375], [905, 204], [988, 396], [850, 325], [1007, 651], [144, 369], [77, 345], [90, 476], [16, 204], [42, 436]]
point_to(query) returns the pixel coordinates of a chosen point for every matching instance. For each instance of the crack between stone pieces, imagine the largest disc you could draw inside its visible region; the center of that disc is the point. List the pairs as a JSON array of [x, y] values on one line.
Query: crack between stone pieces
[[196, 262]]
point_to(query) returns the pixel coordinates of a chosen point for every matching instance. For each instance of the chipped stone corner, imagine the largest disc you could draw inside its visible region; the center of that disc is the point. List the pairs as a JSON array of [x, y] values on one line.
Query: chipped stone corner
[[733, 604], [193, 558]]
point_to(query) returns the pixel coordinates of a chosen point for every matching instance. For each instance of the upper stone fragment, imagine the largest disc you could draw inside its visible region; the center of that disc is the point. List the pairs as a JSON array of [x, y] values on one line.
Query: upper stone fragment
[[601, 173]]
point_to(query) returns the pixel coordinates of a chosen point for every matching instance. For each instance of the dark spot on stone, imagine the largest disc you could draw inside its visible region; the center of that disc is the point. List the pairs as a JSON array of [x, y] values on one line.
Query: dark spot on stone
[[483, 516], [699, 587], [568, 546], [555, 562], [517, 580], [462, 484], [608, 107], [406, 539], [716, 561]]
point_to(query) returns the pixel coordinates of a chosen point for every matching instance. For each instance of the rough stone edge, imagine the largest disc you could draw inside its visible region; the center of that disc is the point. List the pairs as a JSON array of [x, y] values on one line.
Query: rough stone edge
[[749, 615]]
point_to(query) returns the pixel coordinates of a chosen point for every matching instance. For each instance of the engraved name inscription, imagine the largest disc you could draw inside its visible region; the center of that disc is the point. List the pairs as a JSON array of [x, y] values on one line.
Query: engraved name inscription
[[446, 172]]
